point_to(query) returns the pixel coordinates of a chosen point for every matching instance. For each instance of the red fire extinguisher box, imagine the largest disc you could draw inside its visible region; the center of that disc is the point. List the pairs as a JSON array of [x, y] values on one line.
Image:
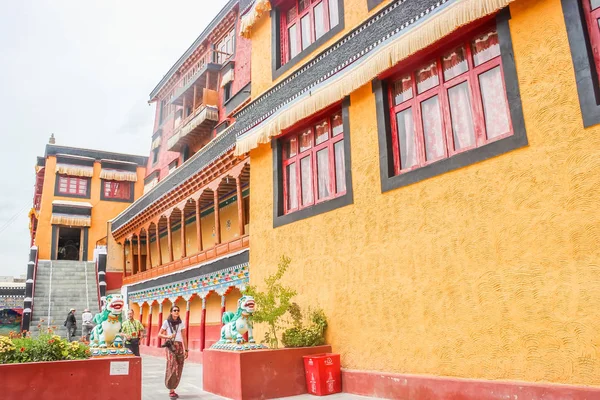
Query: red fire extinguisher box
[[323, 373]]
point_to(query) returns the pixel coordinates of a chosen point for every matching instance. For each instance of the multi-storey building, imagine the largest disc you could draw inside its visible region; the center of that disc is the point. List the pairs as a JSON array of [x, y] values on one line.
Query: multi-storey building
[[186, 241], [431, 169], [77, 191]]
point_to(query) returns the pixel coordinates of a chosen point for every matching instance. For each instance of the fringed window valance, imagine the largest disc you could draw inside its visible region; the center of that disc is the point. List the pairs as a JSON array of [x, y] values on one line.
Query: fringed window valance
[[257, 10], [426, 31], [71, 220], [155, 143], [118, 175], [227, 77], [75, 170]]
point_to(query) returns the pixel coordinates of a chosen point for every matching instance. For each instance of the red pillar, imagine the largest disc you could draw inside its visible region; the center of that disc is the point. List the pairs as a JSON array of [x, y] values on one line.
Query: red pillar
[[141, 311], [183, 245], [149, 330], [160, 321], [203, 324], [217, 218], [240, 206], [187, 322], [198, 227], [158, 246], [170, 239]]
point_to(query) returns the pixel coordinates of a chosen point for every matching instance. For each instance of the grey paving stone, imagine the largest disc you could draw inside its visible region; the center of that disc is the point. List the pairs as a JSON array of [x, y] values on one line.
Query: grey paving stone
[[190, 387]]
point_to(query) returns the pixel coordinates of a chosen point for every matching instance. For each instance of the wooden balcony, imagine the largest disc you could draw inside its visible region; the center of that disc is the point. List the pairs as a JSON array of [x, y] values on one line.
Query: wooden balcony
[[203, 74], [196, 127], [179, 265]]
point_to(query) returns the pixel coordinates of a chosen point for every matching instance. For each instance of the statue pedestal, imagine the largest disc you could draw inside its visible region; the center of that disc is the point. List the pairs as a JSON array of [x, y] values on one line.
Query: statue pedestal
[[256, 374]]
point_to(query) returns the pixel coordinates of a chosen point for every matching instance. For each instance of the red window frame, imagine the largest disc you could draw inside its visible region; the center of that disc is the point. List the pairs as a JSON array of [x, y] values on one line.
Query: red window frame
[[72, 185], [118, 190], [441, 90], [591, 16], [293, 156], [290, 19]]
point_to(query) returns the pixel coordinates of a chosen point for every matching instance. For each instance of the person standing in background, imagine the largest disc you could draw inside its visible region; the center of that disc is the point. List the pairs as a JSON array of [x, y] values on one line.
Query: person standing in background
[[133, 330], [86, 324], [71, 324]]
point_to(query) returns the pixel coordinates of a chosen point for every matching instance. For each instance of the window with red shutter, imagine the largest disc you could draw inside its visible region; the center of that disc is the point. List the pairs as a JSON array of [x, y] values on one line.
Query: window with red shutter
[[303, 22], [452, 103], [591, 10], [117, 190], [72, 186], [314, 164]]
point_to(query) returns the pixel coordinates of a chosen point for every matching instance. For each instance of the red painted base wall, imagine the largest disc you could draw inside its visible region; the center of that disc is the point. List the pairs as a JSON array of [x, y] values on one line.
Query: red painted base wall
[[422, 387], [61, 380], [257, 374], [114, 280]]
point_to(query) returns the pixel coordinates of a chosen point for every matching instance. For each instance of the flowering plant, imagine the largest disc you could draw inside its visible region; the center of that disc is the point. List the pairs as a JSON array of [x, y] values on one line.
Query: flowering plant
[[19, 348]]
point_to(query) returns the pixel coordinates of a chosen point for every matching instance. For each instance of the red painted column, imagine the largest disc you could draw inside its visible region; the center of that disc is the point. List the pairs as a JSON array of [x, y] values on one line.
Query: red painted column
[[139, 257], [141, 312], [203, 325], [148, 252], [187, 322], [240, 205], [158, 246], [222, 308], [183, 245], [149, 329], [160, 321], [198, 227], [217, 219], [170, 239], [124, 259]]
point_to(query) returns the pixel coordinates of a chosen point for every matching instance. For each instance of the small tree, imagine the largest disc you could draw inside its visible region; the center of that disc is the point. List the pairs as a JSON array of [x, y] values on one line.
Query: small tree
[[273, 302]]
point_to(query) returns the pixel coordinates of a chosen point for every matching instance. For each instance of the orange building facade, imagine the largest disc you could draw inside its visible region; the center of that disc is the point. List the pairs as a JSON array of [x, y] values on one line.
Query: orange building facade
[[185, 241], [77, 191]]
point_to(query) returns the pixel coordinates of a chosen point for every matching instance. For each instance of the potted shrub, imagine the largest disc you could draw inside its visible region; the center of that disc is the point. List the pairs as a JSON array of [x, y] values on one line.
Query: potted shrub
[[274, 372], [42, 367]]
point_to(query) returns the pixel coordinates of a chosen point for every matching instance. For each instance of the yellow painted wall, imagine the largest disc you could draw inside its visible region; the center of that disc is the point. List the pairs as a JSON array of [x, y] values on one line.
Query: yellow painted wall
[[191, 244], [355, 11], [213, 308], [231, 300], [102, 211], [229, 215], [491, 271]]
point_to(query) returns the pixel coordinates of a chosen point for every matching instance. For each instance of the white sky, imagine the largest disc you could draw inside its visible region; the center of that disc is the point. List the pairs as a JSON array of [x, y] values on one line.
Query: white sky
[[82, 70]]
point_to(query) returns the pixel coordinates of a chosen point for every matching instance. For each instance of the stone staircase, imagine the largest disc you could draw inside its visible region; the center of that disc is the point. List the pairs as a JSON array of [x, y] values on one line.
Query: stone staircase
[[60, 286]]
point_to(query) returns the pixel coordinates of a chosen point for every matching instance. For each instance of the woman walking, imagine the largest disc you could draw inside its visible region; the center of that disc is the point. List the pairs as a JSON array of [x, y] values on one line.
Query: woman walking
[[173, 331]]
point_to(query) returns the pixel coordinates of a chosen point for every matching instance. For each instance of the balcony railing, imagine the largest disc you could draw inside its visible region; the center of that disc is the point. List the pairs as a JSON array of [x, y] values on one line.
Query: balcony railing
[[212, 60], [219, 250], [199, 123]]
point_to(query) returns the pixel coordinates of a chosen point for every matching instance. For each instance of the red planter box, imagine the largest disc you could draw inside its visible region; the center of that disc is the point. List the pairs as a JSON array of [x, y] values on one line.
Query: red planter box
[[257, 374], [94, 379]]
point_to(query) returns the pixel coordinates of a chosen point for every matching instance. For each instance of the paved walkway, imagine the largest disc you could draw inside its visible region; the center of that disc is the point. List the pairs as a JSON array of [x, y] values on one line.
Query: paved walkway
[[190, 388]]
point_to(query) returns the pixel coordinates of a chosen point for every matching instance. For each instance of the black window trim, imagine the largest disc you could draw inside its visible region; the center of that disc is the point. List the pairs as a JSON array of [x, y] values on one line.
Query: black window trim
[[87, 194], [389, 181], [279, 218], [588, 87], [131, 192], [277, 68]]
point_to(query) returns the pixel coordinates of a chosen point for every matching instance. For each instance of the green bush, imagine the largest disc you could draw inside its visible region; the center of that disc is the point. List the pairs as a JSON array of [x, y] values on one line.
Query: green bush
[[300, 336], [45, 347]]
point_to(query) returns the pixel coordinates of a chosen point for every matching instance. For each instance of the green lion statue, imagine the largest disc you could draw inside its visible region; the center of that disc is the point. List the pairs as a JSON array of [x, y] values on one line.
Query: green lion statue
[[108, 322]]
